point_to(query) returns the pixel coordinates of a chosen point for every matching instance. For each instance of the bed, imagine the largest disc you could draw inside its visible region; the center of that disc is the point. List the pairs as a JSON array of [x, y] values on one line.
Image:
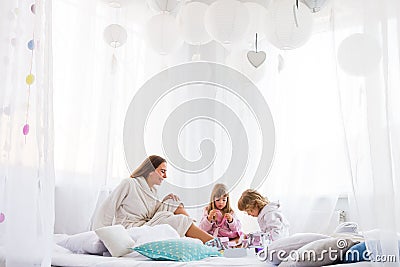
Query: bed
[[64, 258], [94, 249]]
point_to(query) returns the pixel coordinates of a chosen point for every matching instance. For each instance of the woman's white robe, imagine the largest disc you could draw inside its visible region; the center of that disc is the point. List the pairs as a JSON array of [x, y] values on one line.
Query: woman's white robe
[[133, 203]]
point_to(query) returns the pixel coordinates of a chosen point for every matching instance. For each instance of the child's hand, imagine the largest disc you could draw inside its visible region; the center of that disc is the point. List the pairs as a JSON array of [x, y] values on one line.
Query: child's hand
[[228, 217], [212, 215]]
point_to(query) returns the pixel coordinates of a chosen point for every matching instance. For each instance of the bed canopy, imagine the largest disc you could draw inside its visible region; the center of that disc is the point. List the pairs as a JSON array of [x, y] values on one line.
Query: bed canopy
[[297, 99]]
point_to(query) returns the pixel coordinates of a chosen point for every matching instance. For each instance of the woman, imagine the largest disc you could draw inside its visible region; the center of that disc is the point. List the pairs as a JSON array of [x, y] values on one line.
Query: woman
[[135, 203]]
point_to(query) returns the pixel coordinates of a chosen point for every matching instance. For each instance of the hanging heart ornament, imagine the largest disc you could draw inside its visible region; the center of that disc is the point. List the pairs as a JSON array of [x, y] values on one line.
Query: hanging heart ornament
[[256, 58]]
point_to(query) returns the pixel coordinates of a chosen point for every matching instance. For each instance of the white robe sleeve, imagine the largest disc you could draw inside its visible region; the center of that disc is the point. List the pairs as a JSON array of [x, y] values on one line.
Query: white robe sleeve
[[274, 224]]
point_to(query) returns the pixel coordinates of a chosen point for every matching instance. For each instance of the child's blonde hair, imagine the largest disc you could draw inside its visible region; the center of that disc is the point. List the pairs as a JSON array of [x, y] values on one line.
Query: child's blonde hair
[[251, 199], [219, 190]]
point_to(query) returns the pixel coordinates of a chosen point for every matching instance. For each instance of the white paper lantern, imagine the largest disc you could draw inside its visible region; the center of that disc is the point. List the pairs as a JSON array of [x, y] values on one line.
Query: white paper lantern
[[288, 27], [163, 5], [118, 3], [359, 54], [315, 5], [191, 23], [115, 35], [162, 34], [227, 21], [257, 22]]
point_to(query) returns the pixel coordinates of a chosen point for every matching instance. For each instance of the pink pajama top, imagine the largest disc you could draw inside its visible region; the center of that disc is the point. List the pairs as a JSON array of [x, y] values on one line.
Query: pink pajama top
[[220, 226]]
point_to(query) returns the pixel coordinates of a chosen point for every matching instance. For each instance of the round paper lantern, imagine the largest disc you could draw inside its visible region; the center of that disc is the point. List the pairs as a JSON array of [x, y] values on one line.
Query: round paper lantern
[[256, 23], [359, 54], [227, 21], [315, 5], [162, 34], [118, 3], [191, 23], [163, 5], [288, 27], [115, 35]]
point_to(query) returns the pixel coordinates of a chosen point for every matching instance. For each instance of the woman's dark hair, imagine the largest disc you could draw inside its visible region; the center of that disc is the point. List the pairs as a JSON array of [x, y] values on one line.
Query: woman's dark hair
[[148, 165]]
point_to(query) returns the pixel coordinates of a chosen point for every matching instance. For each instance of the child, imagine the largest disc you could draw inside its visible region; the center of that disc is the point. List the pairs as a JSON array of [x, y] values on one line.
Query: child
[[270, 218], [219, 219]]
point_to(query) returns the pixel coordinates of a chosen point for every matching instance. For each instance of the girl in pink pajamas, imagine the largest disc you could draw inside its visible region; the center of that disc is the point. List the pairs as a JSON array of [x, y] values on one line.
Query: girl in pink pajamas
[[219, 219]]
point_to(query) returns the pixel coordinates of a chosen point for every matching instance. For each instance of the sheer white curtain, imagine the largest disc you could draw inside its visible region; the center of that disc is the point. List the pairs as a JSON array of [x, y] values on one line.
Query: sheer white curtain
[[92, 90], [26, 163], [308, 172], [311, 168], [371, 114]]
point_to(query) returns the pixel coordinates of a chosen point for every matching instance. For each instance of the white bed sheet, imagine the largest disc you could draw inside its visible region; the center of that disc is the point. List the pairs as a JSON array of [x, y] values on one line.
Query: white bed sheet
[[64, 258]]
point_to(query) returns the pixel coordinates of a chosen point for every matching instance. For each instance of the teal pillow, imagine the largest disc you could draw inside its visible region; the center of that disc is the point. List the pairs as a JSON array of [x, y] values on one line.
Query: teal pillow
[[176, 250]]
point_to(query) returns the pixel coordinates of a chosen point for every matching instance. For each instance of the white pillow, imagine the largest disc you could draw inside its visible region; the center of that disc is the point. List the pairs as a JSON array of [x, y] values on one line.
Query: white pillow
[[323, 252], [145, 234], [116, 239], [281, 248], [83, 243]]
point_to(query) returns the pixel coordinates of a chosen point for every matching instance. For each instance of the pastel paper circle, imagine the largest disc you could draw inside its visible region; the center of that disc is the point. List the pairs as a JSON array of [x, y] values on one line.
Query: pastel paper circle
[[31, 45], [30, 79], [2, 217], [25, 130]]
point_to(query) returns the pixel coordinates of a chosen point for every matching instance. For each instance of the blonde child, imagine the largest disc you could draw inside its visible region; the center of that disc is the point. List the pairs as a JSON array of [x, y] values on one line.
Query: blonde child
[[269, 217], [218, 218]]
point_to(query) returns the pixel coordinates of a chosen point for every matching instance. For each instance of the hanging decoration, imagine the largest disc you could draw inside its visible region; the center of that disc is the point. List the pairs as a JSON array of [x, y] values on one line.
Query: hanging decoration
[[191, 23], [227, 21], [2, 217], [33, 9], [288, 26], [163, 5], [162, 34], [30, 78], [256, 58], [315, 5], [359, 54], [115, 35], [238, 60], [281, 63]]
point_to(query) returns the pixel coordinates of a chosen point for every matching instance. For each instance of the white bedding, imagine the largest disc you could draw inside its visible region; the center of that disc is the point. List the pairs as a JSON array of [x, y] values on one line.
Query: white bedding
[[63, 257]]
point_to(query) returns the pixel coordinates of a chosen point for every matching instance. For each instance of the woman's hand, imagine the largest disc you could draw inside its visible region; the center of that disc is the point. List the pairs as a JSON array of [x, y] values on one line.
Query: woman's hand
[[171, 196], [228, 217]]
